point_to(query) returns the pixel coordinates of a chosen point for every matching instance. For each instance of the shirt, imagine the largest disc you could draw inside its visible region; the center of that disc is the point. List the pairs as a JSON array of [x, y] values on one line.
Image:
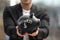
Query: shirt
[[26, 12]]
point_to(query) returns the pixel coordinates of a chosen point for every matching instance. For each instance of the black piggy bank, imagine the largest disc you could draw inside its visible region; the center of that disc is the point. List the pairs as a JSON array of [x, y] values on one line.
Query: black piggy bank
[[28, 24]]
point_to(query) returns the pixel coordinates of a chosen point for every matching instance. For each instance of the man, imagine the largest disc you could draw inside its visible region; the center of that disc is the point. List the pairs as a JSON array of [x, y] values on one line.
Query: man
[[12, 14]]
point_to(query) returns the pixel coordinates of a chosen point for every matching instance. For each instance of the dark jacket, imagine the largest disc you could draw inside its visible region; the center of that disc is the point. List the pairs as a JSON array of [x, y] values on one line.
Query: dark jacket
[[12, 13]]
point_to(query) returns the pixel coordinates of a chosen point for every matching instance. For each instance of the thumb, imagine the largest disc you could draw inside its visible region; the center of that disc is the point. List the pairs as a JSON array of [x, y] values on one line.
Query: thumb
[[16, 27]]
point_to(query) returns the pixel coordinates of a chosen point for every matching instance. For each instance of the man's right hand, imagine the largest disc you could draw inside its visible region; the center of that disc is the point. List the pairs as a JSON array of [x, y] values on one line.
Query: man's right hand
[[19, 33]]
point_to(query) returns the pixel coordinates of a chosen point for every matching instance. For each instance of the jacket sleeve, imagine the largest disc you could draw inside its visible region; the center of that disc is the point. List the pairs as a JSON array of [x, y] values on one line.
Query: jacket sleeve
[[9, 25], [44, 27]]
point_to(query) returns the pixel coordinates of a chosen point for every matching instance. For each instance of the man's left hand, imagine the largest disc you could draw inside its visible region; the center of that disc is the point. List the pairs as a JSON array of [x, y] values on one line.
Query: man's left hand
[[35, 33]]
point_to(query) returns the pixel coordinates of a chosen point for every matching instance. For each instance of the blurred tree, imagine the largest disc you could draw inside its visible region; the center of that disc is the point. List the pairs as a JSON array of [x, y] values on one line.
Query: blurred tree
[[3, 3]]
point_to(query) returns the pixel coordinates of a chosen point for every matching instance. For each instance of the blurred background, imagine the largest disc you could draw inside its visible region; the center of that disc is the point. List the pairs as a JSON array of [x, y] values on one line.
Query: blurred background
[[53, 7]]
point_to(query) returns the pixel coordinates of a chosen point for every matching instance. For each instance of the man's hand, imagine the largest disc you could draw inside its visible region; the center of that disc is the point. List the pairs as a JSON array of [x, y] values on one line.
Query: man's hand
[[19, 33], [35, 33]]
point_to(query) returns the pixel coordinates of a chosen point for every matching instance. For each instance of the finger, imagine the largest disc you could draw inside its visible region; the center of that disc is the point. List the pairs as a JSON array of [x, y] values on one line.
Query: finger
[[34, 34], [38, 28], [16, 27], [18, 32]]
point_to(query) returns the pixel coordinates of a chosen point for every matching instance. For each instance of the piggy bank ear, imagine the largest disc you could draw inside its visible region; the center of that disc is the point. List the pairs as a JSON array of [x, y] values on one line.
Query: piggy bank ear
[[31, 15]]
